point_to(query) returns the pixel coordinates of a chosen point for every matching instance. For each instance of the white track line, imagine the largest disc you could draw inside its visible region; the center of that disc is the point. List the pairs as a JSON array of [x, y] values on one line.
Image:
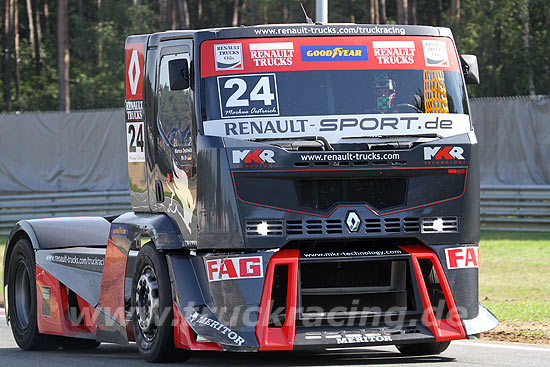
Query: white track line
[[501, 346]]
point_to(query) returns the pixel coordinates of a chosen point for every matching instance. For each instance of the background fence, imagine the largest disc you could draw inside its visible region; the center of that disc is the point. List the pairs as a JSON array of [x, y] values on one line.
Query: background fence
[[515, 208], [29, 206]]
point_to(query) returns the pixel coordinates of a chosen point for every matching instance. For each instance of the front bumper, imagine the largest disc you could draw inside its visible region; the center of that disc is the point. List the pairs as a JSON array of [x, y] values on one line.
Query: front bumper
[[210, 322]]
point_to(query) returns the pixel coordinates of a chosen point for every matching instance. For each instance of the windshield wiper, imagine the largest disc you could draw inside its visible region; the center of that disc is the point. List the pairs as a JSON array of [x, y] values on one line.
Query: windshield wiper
[[294, 140], [429, 135]]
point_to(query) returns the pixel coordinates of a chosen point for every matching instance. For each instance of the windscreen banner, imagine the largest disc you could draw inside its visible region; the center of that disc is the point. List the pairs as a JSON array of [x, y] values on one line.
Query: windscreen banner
[[336, 87]]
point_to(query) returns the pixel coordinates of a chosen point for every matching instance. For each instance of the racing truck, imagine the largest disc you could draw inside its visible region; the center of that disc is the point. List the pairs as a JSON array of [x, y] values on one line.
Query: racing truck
[[300, 186]]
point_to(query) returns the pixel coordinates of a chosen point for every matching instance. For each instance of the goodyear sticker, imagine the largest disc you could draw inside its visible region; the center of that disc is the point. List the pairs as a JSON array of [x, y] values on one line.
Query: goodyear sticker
[[119, 230], [334, 53]]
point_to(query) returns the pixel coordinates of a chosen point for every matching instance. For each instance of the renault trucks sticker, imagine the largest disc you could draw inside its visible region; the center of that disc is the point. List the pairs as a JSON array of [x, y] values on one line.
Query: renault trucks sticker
[[334, 53], [272, 54], [394, 52], [248, 95], [134, 110], [462, 257], [435, 53], [228, 56], [135, 142], [234, 268], [336, 127]]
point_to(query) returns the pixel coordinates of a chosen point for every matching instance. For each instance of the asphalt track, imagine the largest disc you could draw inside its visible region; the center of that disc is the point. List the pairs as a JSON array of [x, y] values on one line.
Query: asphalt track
[[461, 353]]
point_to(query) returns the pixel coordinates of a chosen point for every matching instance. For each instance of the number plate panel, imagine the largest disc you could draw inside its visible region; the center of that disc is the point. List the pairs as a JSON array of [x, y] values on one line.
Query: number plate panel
[[248, 95]]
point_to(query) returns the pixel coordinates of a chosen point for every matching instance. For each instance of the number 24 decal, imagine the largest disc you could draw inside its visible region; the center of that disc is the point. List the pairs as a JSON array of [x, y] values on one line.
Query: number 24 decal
[[135, 142], [260, 92]]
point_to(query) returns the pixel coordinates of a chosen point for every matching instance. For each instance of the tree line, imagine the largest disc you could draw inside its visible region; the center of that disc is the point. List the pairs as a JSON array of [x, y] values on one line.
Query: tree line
[[68, 54]]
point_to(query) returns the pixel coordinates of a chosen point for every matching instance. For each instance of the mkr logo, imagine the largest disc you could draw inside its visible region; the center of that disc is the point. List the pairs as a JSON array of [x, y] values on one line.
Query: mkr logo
[[445, 153], [256, 156]]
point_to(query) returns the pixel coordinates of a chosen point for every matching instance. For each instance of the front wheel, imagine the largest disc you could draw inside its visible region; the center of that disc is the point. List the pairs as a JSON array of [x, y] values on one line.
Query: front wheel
[[22, 305], [423, 349], [153, 309]]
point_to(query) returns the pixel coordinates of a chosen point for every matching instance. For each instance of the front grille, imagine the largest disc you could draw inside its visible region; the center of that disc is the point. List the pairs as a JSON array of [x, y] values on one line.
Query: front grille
[[374, 225], [411, 225], [314, 227], [336, 227], [392, 225], [379, 193]]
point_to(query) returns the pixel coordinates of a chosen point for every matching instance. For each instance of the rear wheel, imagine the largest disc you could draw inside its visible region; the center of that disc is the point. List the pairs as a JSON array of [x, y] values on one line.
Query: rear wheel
[[22, 303], [152, 308], [423, 349]]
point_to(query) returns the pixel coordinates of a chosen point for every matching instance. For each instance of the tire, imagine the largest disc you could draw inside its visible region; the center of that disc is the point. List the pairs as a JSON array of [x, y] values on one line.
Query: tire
[[78, 344], [22, 303], [152, 308], [423, 349]]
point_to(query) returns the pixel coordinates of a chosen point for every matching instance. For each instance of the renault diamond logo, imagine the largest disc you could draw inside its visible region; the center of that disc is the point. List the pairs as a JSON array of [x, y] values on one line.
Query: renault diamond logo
[[353, 221], [133, 72]]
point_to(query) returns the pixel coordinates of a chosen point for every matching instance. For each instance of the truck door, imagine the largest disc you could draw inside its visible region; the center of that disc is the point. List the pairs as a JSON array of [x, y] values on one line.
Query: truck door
[[174, 178]]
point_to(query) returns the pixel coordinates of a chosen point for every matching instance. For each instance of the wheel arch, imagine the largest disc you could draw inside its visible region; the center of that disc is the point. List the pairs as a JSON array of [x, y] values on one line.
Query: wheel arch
[[157, 227], [21, 230]]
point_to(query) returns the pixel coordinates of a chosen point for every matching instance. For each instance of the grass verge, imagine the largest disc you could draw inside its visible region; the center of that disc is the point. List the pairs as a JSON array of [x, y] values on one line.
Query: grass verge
[[515, 275]]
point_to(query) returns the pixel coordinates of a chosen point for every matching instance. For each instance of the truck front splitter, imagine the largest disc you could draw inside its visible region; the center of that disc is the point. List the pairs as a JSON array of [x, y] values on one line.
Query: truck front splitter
[[415, 301]]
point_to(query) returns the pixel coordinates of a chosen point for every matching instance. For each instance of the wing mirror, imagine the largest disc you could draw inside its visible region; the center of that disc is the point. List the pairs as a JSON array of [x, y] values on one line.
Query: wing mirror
[[179, 74], [470, 68]]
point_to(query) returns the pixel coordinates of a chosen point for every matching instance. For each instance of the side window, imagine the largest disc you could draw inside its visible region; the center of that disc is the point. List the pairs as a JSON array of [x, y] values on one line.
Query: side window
[[175, 107]]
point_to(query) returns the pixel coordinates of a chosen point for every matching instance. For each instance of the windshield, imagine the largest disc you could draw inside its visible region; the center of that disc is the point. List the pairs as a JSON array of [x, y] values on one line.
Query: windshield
[[335, 87]]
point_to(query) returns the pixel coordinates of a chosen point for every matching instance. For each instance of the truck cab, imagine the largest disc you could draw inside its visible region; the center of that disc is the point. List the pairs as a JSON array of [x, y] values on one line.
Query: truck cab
[[302, 186]]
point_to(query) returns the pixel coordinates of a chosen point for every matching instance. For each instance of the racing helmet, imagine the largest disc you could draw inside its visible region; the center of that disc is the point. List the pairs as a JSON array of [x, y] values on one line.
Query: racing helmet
[[384, 89]]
